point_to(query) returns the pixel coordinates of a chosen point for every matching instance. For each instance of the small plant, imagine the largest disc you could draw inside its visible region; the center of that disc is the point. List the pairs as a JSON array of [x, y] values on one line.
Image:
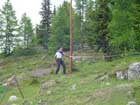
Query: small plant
[[136, 94]]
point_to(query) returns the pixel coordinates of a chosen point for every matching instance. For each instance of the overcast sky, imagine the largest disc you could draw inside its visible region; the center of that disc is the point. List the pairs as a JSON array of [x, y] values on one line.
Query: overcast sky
[[31, 7]]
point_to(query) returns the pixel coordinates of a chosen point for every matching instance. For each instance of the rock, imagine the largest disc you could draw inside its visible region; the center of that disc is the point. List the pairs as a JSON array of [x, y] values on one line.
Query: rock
[[107, 83], [121, 75], [129, 94], [5, 84], [104, 78], [13, 98], [101, 77], [48, 84], [74, 87], [11, 81], [49, 92], [0, 83], [134, 71], [132, 103], [42, 102]]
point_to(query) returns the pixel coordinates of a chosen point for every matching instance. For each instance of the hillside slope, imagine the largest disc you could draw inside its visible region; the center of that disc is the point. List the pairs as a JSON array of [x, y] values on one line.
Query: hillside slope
[[83, 87]]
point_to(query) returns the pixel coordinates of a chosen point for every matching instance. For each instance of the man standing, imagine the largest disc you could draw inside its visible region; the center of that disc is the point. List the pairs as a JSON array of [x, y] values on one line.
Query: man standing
[[58, 56]]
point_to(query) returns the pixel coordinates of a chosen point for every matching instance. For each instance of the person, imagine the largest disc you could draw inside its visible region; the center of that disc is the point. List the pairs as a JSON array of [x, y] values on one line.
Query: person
[[58, 56]]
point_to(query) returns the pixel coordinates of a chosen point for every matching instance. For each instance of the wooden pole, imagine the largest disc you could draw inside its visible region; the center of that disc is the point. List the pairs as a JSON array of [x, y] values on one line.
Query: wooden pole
[[71, 38]]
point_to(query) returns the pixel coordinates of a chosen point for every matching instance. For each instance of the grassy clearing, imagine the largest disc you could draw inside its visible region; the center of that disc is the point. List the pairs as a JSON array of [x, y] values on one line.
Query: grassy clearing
[[78, 88]]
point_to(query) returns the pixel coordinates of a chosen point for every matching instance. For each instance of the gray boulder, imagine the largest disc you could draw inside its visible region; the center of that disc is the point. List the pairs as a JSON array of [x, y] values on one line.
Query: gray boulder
[[134, 71], [132, 103], [11, 81], [48, 84], [13, 98], [121, 75], [100, 78]]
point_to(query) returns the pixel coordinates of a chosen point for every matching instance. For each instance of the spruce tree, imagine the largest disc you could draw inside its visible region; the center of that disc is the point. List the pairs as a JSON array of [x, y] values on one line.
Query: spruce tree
[[120, 28], [54, 10], [81, 10], [60, 28], [1, 31], [9, 28], [44, 27], [102, 19], [90, 24], [26, 30], [136, 23]]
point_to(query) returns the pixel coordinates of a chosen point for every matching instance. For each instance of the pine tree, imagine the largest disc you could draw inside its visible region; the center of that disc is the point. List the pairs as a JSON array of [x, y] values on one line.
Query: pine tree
[[81, 10], [54, 10], [102, 18], [76, 31], [90, 24], [1, 31], [26, 30], [136, 23], [44, 27], [60, 28], [120, 27], [9, 28]]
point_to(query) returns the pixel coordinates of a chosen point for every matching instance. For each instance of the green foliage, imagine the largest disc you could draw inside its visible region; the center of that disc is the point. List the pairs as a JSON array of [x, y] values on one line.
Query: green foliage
[[76, 31], [136, 23], [90, 24], [81, 6], [43, 29], [102, 19], [26, 31], [1, 33], [19, 51], [34, 41], [60, 28], [12, 35], [136, 93], [111, 26], [2, 89], [9, 28], [121, 33]]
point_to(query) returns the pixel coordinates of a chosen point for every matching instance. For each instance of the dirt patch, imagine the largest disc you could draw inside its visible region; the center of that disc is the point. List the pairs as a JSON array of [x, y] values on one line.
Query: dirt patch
[[41, 72]]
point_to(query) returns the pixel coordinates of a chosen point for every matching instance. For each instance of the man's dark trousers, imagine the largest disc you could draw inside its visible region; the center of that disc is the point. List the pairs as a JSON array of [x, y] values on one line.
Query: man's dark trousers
[[59, 63]]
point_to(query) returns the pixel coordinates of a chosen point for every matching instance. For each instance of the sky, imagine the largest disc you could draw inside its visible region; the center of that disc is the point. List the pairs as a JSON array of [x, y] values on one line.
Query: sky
[[30, 7]]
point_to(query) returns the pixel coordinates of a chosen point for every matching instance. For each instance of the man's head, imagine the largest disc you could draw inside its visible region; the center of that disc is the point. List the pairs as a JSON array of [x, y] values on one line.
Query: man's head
[[60, 49]]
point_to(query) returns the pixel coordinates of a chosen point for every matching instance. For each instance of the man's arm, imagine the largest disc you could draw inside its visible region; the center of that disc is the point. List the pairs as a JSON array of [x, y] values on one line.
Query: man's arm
[[55, 56]]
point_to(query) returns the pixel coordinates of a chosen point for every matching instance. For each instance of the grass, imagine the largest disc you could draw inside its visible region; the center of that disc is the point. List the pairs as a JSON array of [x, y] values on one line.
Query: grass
[[78, 88]]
